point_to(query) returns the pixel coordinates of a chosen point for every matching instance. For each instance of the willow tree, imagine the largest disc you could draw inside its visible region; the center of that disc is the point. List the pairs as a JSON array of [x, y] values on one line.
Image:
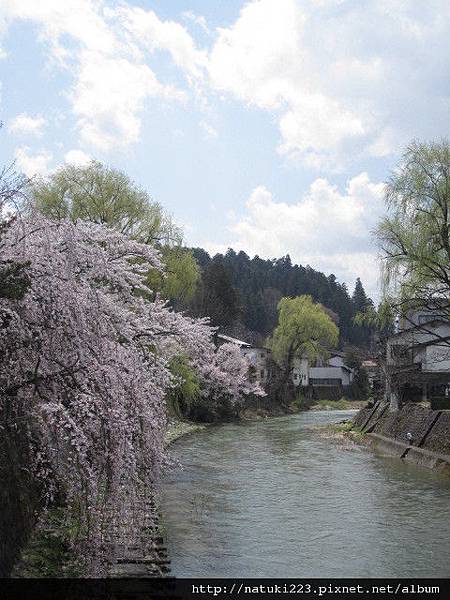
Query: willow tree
[[180, 278], [414, 237], [304, 329], [107, 196]]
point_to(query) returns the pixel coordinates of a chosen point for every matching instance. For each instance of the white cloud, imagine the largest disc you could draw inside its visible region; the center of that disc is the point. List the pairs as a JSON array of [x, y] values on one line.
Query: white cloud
[[103, 49], [199, 20], [152, 34], [25, 124], [108, 97], [82, 20], [345, 80], [209, 131], [77, 158], [326, 228], [32, 163]]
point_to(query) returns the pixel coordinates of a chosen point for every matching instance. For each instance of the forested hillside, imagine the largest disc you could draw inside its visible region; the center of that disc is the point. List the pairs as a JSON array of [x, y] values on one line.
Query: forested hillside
[[241, 295]]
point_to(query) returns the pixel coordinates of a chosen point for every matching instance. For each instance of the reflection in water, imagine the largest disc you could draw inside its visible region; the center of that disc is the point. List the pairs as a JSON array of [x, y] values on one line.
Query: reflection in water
[[275, 499]]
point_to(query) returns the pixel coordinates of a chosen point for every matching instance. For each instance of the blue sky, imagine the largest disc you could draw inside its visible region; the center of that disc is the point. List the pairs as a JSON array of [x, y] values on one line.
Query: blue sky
[[267, 125]]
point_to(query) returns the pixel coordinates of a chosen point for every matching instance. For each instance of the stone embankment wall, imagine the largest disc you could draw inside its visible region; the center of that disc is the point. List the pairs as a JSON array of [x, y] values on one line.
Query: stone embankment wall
[[428, 443], [147, 558]]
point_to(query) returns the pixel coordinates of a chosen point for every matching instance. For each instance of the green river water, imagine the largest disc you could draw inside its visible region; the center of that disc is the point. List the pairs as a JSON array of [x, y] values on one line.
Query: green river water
[[275, 499]]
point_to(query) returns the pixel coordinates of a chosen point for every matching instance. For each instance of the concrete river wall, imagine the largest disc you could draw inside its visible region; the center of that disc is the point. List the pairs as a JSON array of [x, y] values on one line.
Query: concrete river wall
[[414, 434]]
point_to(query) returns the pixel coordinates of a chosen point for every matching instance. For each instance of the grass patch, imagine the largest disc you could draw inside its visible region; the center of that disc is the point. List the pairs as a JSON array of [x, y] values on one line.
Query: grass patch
[[48, 552], [342, 404], [342, 431]]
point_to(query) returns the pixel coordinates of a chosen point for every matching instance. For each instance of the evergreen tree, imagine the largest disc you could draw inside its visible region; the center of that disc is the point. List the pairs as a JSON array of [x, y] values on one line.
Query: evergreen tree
[[262, 283], [216, 297], [361, 302]]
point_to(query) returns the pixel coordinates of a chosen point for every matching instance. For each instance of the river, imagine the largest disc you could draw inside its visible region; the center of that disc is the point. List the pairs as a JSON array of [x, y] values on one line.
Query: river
[[275, 499]]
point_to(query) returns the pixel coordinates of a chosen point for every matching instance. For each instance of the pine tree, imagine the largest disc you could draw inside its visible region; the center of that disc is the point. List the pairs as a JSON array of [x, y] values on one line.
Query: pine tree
[[361, 302]]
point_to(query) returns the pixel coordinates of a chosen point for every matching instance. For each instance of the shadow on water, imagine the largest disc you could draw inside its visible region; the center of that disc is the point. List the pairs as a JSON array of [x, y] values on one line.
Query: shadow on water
[[275, 499]]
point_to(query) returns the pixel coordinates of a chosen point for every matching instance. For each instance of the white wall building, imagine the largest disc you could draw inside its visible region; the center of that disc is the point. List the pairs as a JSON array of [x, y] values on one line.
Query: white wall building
[[300, 372], [331, 372], [418, 354], [258, 358]]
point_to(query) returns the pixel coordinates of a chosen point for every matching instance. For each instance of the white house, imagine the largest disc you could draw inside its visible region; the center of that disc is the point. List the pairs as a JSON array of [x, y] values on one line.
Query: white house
[[300, 371], [332, 372], [418, 354], [258, 358]]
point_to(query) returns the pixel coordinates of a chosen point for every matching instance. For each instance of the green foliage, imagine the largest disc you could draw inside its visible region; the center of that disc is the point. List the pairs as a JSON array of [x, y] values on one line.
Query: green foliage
[[361, 301], [360, 385], [14, 280], [361, 304], [186, 392], [107, 196], [48, 552], [347, 429], [182, 273], [381, 319], [262, 283], [415, 235], [341, 404], [351, 359], [304, 329], [299, 401], [216, 296]]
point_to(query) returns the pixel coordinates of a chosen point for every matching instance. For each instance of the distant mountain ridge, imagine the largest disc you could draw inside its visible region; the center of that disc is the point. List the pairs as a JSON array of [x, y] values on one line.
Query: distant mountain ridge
[[241, 294]]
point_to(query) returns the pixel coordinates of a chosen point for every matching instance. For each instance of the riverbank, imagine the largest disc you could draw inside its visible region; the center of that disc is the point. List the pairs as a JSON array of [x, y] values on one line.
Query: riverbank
[[415, 434], [47, 552], [265, 410], [275, 483], [261, 410], [342, 404], [177, 429]]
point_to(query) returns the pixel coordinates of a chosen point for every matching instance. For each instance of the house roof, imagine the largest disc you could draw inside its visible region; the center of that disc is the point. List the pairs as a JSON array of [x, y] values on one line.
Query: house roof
[[421, 326], [232, 340], [240, 343]]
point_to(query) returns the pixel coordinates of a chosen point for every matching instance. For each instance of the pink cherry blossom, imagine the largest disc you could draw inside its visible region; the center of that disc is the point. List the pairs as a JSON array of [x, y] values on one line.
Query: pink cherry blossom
[[84, 369]]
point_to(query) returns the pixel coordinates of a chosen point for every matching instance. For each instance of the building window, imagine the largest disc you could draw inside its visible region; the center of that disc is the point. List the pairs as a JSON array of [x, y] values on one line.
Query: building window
[[324, 381]]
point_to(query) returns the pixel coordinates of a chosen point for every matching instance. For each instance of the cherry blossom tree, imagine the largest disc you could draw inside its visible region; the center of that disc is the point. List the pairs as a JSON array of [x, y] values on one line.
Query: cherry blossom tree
[[85, 368]]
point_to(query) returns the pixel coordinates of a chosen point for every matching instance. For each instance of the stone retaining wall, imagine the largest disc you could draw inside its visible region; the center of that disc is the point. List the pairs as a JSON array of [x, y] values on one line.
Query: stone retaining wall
[[148, 556], [387, 431]]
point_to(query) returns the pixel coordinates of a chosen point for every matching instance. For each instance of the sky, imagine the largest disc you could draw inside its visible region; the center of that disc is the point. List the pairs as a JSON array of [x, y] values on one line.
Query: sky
[[269, 126]]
